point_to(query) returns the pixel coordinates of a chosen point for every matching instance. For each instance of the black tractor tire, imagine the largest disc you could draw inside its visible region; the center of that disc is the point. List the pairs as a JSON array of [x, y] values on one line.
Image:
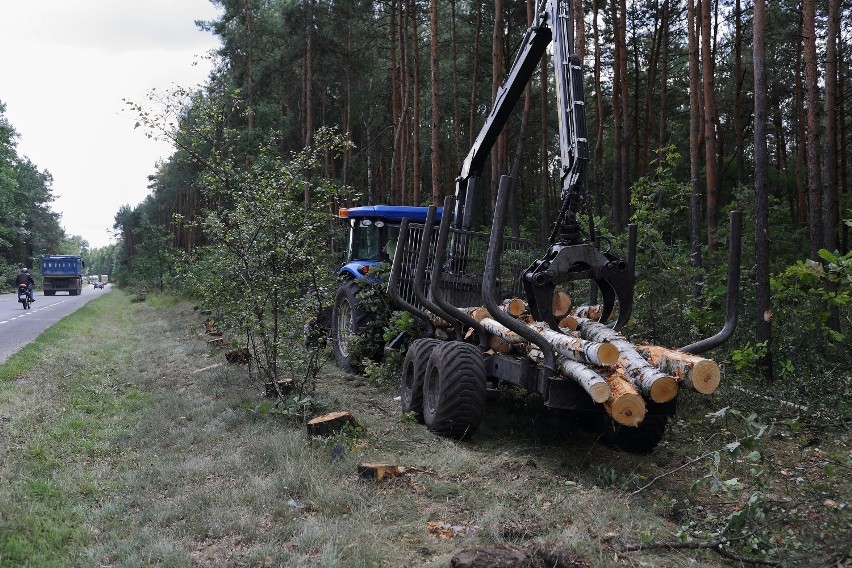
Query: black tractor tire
[[413, 373], [348, 320], [454, 390], [641, 439]]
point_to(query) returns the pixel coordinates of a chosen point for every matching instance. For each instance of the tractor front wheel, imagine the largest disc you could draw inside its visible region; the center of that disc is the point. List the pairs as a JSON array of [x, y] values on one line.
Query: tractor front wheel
[[349, 319]]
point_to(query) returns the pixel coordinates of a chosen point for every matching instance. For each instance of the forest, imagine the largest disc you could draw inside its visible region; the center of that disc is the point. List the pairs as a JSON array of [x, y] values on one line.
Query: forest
[[694, 109]]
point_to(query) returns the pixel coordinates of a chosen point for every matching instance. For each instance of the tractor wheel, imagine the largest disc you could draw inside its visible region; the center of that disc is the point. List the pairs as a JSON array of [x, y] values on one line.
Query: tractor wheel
[[454, 390], [641, 439], [413, 373], [349, 319]]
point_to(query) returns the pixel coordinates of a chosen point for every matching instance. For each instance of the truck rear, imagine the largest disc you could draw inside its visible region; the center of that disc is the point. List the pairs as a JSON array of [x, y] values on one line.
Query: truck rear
[[62, 273]]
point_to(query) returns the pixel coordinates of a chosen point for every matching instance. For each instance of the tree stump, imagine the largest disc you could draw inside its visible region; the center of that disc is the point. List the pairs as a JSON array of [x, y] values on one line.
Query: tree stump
[[330, 424]]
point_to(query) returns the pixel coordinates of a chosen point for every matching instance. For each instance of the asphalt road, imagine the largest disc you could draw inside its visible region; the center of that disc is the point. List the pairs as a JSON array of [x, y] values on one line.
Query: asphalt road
[[19, 326]]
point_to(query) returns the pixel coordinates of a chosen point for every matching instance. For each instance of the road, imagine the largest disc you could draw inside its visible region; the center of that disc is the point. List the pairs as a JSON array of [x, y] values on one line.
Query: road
[[19, 326]]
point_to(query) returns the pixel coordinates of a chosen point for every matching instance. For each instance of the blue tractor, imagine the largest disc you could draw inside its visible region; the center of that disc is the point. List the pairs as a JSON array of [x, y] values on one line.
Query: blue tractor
[[372, 239]]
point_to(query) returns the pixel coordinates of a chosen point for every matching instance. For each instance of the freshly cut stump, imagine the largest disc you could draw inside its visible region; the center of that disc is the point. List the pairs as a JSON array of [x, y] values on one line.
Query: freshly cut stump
[[331, 423]]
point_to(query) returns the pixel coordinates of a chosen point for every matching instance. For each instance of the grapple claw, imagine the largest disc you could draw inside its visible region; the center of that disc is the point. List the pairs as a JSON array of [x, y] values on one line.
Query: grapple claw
[[566, 263]]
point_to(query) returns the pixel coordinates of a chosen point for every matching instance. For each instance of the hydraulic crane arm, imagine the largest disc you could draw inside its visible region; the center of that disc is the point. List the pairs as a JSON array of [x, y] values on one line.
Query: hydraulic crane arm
[[570, 256], [552, 24]]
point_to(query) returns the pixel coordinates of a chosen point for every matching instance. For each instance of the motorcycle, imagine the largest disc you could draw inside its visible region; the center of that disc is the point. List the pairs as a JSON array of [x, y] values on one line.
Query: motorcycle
[[24, 296]]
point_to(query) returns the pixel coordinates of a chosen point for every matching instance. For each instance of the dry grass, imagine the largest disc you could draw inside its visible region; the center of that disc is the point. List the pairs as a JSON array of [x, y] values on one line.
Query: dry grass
[[141, 461]]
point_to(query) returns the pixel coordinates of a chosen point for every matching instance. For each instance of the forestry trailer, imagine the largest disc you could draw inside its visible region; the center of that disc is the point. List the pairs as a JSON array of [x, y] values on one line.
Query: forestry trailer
[[466, 287]]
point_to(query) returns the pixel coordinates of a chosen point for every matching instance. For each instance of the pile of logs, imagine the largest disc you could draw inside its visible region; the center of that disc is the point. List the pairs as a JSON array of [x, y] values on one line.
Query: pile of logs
[[614, 372]]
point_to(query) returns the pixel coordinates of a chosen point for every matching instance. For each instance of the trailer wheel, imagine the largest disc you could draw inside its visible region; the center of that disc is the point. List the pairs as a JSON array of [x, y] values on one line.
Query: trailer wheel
[[413, 373], [454, 390], [348, 320], [640, 439]]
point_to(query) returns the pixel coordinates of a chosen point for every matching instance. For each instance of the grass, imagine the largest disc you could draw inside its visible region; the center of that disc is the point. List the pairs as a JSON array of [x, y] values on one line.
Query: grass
[[121, 446]]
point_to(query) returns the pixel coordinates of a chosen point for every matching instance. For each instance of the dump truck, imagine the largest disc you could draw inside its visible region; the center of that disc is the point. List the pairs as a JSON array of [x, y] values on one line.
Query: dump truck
[[494, 310], [62, 273]]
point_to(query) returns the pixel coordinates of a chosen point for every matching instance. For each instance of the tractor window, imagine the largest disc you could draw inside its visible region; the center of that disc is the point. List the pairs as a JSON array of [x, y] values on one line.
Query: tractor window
[[366, 240]]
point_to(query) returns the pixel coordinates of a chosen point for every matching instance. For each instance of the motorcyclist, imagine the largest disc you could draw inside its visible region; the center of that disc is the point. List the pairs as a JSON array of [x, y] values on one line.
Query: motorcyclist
[[26, 278]]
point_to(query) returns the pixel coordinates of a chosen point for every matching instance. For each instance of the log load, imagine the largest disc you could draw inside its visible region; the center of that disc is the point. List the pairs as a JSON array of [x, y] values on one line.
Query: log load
[[696, 372], [651, 382], [613, 371]]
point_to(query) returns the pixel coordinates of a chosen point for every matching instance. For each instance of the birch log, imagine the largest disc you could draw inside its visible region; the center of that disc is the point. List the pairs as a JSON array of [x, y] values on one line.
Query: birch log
[[568, 322], [577, 349], [569, 346], [696, 372], [594, 384], [650, 381], [625, 406], [513, 306], [591, 312]]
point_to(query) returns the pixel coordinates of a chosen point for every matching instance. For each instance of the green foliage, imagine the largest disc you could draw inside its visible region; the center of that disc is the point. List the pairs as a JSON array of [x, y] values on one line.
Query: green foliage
[[29, 228], [266, 271], [664, 312]]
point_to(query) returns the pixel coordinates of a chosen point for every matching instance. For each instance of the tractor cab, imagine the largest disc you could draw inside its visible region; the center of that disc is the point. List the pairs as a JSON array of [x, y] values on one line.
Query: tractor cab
[[373, 234]]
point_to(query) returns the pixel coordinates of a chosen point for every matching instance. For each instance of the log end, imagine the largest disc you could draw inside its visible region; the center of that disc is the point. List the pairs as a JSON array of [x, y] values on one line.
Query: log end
[[561, 304], [600, 392], [706, 376], [569, 322], [628, 409], [664, 389], [608, 353], [515, 307]]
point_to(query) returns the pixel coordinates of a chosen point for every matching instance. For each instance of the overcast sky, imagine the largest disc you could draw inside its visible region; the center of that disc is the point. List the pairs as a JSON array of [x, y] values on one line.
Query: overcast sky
[[65, 67]]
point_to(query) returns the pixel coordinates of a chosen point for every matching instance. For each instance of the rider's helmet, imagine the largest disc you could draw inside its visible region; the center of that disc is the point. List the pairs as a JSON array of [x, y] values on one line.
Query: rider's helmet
[[24, 270]]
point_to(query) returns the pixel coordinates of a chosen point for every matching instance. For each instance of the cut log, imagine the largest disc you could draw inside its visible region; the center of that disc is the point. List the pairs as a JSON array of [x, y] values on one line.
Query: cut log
[[578, 349], [594, 384], [378, 471], [330, 424], [625, 405], [498, 345], [651, 382], [496, 328], [695, 372], [591, 312], [561, 304]]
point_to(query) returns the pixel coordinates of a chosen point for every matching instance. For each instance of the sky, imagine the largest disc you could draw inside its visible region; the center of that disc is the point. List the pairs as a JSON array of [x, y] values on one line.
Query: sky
[[65, 68]]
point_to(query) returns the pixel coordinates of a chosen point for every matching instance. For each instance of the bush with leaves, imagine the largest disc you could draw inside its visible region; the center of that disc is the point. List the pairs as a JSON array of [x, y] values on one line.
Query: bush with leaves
[[269, 267]]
